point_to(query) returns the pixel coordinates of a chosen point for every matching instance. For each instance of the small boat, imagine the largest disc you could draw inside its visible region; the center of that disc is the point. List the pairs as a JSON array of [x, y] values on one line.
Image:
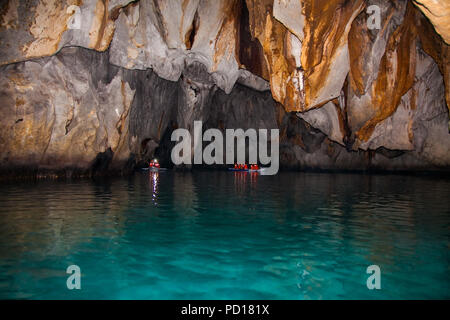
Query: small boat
[[153, 169], [245, 169], [154, 166], [237, 170]]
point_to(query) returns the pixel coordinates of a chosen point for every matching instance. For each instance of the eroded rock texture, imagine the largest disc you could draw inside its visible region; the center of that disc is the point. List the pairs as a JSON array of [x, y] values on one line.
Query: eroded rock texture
[[64, 111], [437, 12], [345, 95]]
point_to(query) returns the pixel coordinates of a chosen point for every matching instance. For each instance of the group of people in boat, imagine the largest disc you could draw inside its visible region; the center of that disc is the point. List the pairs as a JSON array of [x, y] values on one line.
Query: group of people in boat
[[154, 163], [245, 167]]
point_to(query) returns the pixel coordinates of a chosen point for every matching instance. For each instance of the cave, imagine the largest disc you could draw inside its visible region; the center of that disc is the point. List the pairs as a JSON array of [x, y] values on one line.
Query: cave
[[93, 92]]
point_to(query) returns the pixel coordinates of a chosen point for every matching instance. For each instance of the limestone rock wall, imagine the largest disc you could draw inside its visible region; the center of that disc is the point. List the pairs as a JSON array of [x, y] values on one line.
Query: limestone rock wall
[[63, 111]]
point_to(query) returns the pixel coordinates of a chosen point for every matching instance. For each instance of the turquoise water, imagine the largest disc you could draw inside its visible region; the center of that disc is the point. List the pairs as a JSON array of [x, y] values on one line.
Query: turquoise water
[[223, 235]]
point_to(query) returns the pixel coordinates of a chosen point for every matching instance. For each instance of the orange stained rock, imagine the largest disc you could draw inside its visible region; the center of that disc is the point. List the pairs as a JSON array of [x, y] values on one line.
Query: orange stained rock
[[50, 22], [356, 53], [250, 51], [396, 73], [438, 11], [342, 118], [433, 45], [268, 49], [274, 38], [227, 37], [325, 32], [102, 27], [327, 23], [9, 15], [358, 37]]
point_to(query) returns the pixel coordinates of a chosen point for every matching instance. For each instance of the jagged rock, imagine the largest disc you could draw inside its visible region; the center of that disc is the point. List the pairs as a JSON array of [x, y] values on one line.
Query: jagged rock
[[420, 119], [167, 36], [325, 50], [432, 44], [438, 13], [382, 109], [38, 28], [326, 119], [56, 115]]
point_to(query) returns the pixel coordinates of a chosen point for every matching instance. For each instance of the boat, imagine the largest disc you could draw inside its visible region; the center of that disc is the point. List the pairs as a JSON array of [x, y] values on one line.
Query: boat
[[153, 169], [154, 166], [246, 170], [238, 170]]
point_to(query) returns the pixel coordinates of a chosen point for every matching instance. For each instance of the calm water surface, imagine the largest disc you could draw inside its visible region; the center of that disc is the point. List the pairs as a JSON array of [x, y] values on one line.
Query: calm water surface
[[223, 235]]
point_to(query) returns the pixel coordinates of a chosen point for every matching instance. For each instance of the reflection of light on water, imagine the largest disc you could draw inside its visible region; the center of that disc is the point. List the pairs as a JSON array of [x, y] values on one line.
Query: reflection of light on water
[[243, 179], [154, 183], [253, 177], [239, 181]]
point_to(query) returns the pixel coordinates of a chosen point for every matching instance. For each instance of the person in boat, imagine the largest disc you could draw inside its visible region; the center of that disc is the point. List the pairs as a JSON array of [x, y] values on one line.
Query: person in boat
[[154, 163]]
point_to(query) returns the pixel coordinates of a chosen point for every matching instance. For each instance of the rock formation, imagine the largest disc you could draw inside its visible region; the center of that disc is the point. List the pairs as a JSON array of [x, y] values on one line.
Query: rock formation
[[98, 85]]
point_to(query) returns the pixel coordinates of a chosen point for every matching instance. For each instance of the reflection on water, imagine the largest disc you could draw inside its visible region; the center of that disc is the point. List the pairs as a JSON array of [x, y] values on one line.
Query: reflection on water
[[154, 181], [226, 235]]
